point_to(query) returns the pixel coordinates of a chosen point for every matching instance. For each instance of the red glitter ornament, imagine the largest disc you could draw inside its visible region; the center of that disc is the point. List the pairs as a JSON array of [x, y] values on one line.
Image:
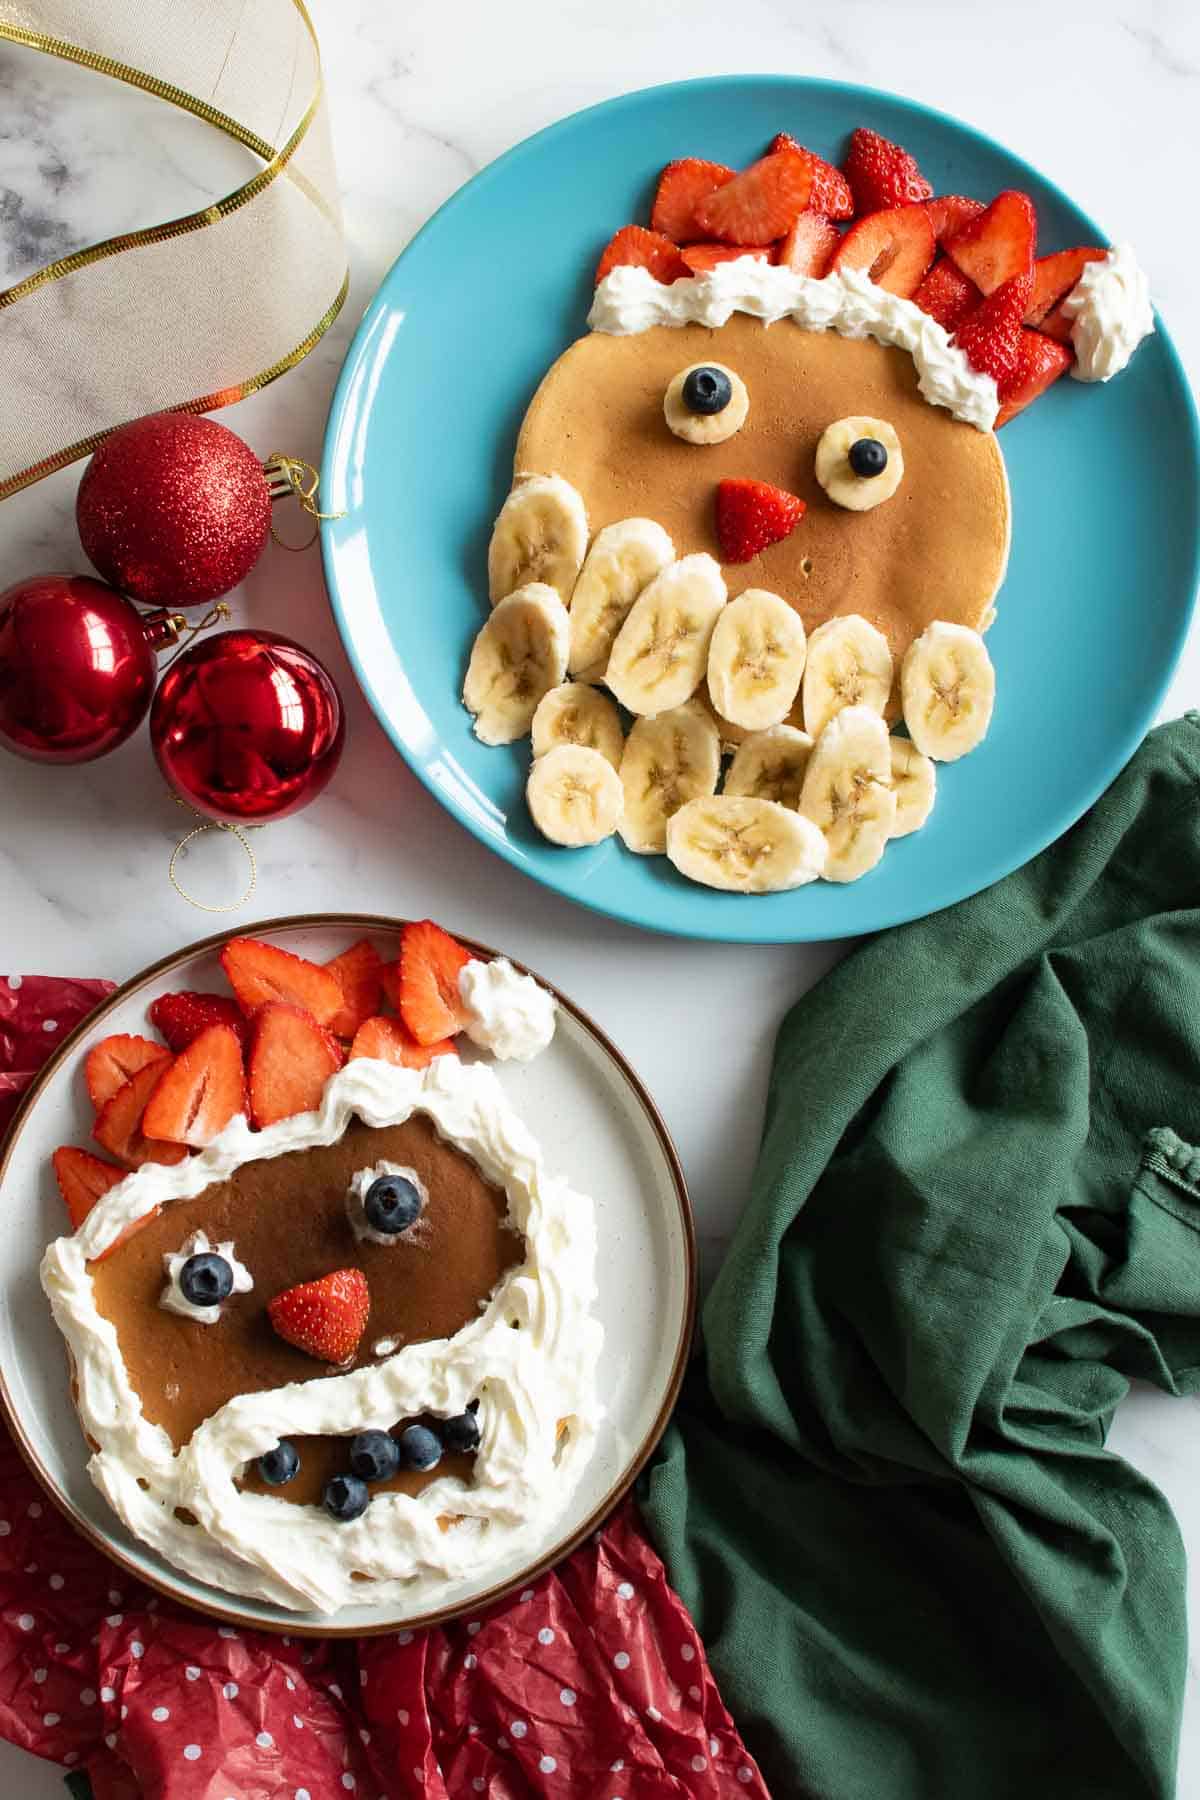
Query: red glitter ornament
[[247, 726], [173, 509], [77, 667]]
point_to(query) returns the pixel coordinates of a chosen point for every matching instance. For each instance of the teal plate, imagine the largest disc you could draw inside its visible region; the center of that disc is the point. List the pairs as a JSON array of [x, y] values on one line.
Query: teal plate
[[418, 454]]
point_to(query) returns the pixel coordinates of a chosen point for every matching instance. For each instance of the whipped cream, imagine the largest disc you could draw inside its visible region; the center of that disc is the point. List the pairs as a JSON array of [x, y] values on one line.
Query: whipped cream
[[173, 1297], [506, 1013], [1109, 307], [531, 1378], [356, 1197], [846, 301]]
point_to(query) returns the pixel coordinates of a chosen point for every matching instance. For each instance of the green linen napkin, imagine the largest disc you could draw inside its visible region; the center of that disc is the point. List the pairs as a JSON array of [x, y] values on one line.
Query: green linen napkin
[[975, 1219]]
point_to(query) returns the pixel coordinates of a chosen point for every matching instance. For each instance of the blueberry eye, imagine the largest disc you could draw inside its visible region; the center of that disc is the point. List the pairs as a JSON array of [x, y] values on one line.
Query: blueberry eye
[[868, 457], [707, 390], [206, 1280], [392, 1204]]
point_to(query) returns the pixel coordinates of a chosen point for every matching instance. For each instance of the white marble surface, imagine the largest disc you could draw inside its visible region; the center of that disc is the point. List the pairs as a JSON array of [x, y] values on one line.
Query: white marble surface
[[1103, 96]]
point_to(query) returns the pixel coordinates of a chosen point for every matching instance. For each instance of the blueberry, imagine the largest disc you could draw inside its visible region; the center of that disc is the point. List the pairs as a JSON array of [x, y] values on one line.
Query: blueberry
[[707, 390], [206, 1280], [374, 1455], [345, 1497], [868, 457], [419, 1448], [392, 1204], [279, 1464], [461, 1434]]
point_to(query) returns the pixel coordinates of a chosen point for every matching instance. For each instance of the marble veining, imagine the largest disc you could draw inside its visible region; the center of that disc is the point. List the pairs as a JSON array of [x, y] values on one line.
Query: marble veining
[[422, 95]]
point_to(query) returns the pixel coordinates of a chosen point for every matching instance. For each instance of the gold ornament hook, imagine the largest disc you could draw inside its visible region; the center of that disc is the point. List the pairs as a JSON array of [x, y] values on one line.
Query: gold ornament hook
[[216, 612], [291, 478]]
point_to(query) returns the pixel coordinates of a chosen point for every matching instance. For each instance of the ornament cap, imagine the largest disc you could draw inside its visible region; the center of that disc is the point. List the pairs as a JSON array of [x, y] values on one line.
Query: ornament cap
[[163, 628]]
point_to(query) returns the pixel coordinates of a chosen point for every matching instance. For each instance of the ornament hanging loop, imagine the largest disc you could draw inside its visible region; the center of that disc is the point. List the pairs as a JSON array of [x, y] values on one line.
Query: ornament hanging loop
[[198, 830], [290, 477], [214, 616]]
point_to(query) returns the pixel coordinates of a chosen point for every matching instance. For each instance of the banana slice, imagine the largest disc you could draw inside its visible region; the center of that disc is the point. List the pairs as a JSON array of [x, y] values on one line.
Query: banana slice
[[770, 765], [734, 736], [575, 714], [661, 650], [706, 428], [540, 535], [574, 796], [520, 654], [623, 558], [914, 778], [744, 846], [668, 761], [848, 791], [948, 688], [837, 474], [849, 664], [755, 659]]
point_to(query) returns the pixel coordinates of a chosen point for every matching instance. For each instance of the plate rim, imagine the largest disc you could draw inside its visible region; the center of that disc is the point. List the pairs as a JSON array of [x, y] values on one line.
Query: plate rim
[[226, 1610], [1105, 771]]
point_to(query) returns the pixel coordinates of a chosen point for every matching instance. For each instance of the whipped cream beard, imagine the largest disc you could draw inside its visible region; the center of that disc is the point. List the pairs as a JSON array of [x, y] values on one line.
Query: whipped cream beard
[[1109, 307], [528, 1381], [630, 300]]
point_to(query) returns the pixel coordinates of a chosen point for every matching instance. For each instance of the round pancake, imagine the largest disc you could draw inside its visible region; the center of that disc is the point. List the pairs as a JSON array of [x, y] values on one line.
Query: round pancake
[[936, 550], [287, 1218]]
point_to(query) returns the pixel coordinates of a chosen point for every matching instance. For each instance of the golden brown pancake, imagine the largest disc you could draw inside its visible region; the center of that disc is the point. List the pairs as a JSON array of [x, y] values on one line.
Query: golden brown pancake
[[936, 550], [287, 1219]]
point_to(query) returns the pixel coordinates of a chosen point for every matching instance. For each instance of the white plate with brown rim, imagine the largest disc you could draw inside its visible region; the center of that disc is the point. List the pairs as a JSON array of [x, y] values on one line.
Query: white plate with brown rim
[[597, 1125]]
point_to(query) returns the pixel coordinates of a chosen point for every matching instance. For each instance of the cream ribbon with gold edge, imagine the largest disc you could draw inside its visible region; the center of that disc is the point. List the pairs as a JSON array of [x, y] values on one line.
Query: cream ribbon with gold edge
[[198, 312]]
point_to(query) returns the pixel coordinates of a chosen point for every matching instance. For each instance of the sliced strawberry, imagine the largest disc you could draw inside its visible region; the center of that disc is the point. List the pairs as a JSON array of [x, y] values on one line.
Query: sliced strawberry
[[259, 973], [881, 174], [291, 1059], [1040, 362], [427, 996], [681, 187], [82, 1180], [325, 1318], [830, 190], [948, 213], [751, 515], [114, 1061], [762, 203], [893, 248], [990, 337], [358, 971], [946, 294], [643, 249], [1055, 276], [390, 1040], [809, 245], [700, 258], [182, 1017], [202, 1090], [118, 1126], [1057, 325], [997, 244]]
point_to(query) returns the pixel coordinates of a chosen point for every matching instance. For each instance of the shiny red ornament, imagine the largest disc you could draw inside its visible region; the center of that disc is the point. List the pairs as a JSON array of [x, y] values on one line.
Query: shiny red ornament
[[247, 726], [77, 667], [173, 509]]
